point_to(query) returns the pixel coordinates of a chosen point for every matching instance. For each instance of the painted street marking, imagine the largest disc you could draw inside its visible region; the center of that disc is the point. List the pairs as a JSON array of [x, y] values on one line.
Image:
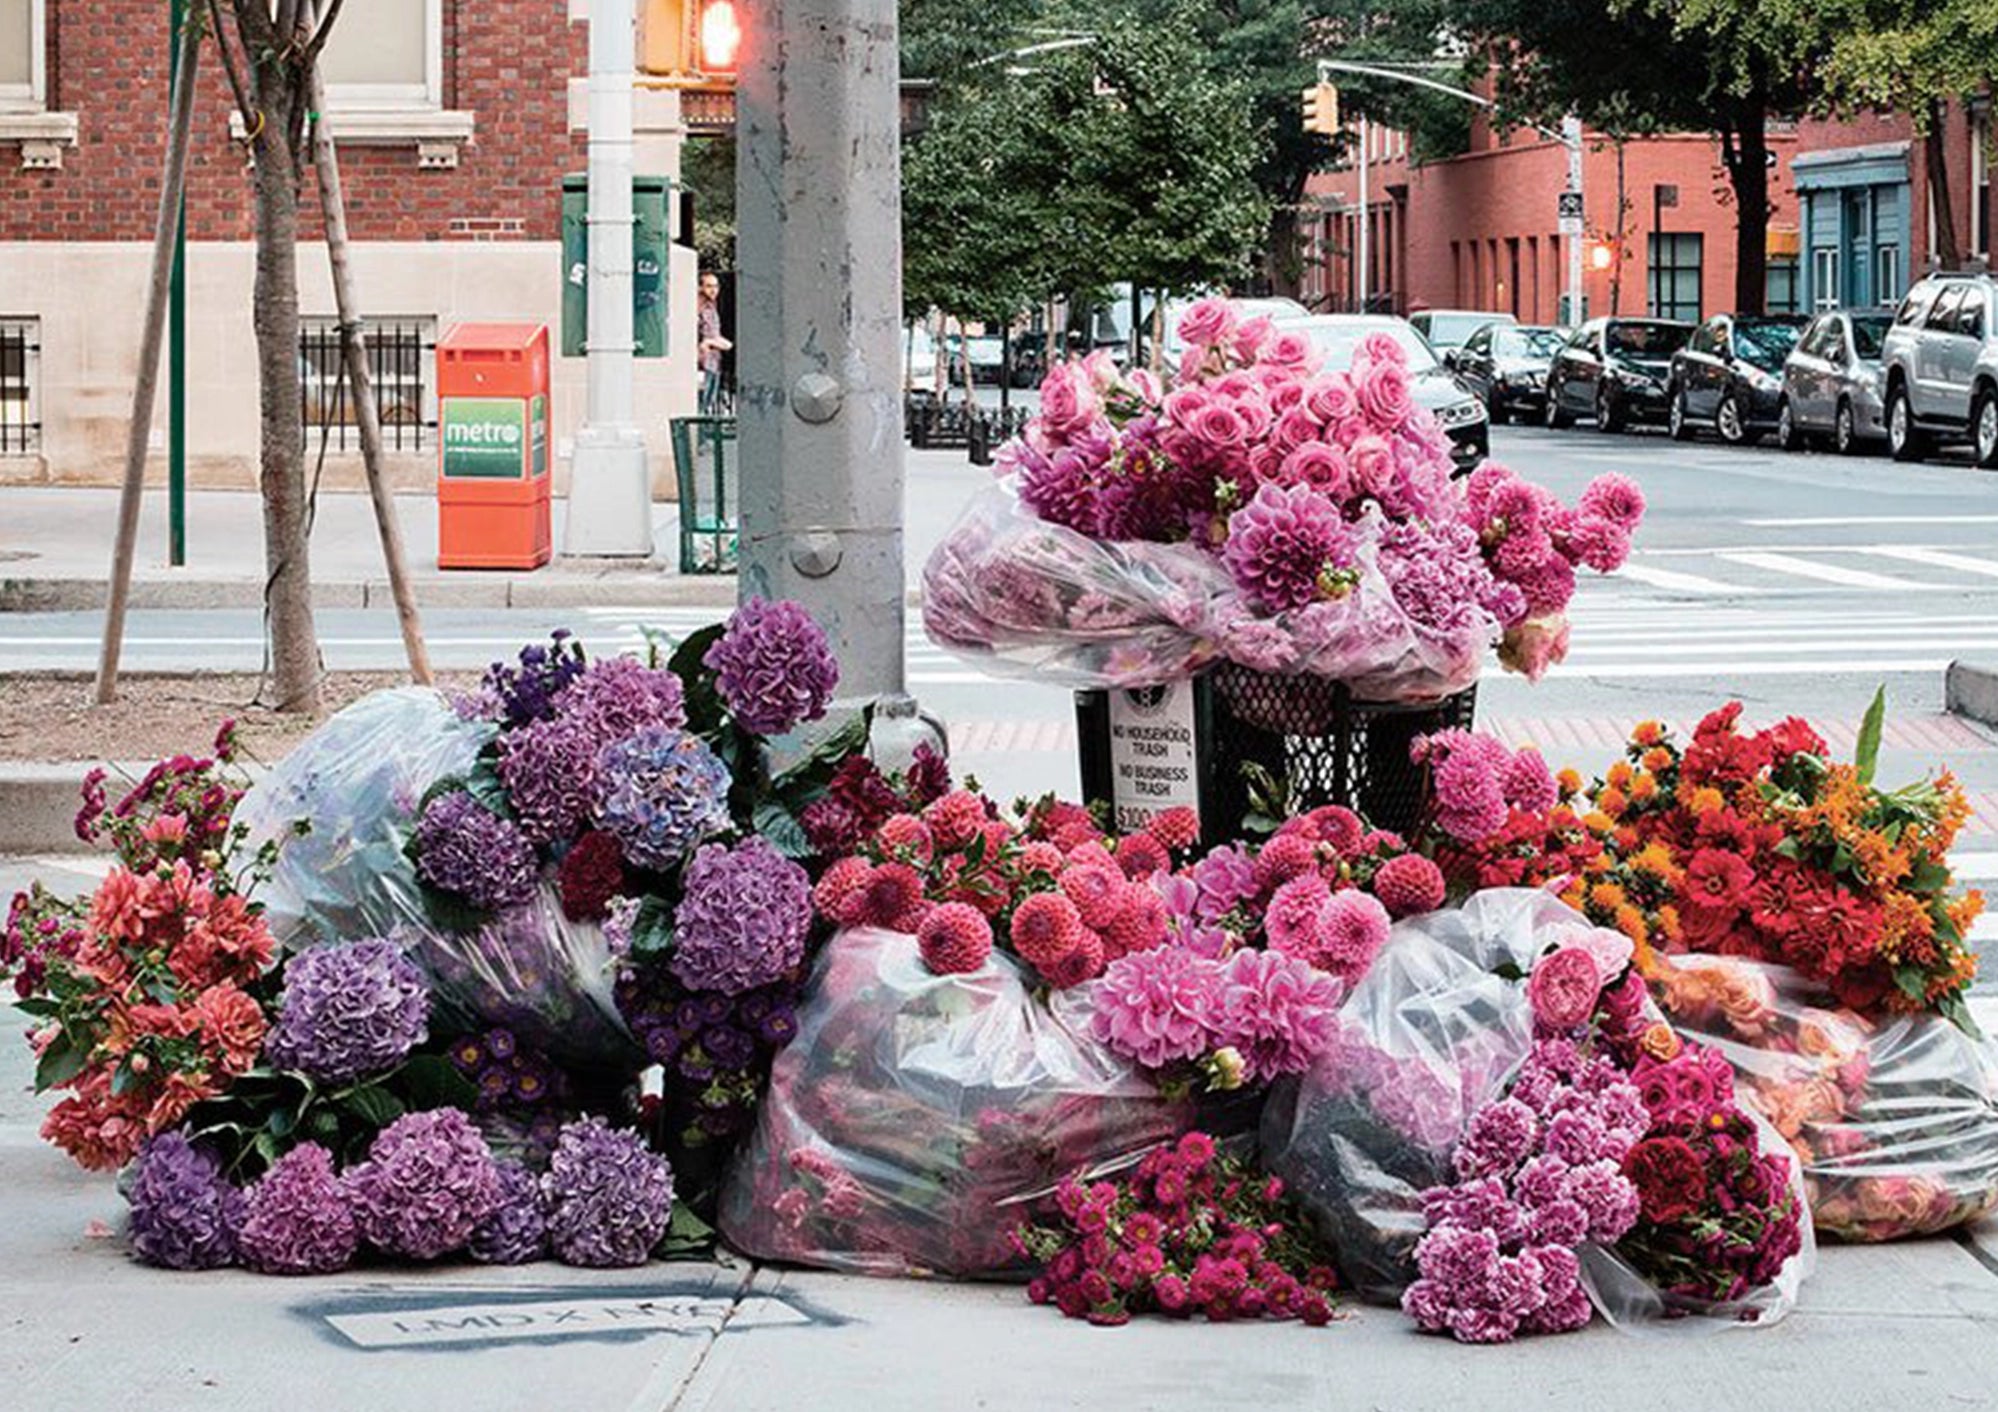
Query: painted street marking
[[1938, 559], [561, 1318], [1637, 671], [1829, 573], [1813, 521], [1669, 578], [1788, 646]]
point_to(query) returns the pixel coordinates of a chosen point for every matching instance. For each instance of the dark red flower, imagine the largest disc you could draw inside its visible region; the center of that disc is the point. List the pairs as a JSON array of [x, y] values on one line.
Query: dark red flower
[[1718, 881], [1671, 1180], [591, 874], [1792, 736]]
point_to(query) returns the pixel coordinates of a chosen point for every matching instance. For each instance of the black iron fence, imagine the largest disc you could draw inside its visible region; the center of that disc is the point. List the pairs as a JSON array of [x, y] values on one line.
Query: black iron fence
[[401, 356], [20, 405]]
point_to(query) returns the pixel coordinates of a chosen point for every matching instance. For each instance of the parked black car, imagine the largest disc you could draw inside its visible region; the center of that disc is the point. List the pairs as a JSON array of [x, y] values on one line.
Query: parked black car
[[1507, 366], [1614, 370], [1833, 381], [1730, 376]]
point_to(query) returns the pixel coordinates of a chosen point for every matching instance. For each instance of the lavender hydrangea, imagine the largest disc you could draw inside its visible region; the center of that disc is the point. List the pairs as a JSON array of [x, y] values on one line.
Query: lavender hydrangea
[[773, 667], [621, 696], [297, 1221], [549, 769], [742, 919], [516, 1233], [464, 848], [659, 793], [427, 1184], [609, 1199], [185, 1214], [348, 1010]]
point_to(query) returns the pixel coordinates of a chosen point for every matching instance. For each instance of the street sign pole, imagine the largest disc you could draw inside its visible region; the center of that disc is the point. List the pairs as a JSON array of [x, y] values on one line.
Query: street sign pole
[[1571, 138], [818, 325], [177, 341], [1363, 277]]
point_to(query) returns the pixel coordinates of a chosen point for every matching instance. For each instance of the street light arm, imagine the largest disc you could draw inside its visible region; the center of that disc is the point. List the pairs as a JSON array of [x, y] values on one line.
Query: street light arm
[[1345, 66]]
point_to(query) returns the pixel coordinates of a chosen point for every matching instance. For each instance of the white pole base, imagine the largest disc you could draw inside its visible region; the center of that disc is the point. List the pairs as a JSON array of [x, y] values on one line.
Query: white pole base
[[610, 496]]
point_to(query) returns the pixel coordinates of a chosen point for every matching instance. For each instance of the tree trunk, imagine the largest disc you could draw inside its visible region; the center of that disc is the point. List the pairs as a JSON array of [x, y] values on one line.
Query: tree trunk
[[294, 645], [1748, 174], [1935, 153]]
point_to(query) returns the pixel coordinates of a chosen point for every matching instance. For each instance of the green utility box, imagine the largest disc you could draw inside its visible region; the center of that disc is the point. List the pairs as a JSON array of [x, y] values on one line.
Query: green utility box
[[652, 237]]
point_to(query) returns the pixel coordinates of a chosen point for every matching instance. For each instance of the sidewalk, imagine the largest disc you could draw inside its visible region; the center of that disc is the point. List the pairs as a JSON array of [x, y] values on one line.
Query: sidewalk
[[1906, 1325], [55, 554]]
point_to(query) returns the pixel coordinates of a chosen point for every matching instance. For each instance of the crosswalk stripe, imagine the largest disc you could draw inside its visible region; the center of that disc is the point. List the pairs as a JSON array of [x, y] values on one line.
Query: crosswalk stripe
[[1672, 578], [1817, 521], [1787, 646], [1721, 669], [1811, 569], [1938, 559]]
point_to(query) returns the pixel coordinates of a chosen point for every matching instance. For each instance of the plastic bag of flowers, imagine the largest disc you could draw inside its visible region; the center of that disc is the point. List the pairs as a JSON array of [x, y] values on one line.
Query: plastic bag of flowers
[[1551, 1141], [1895, 1119], [918, 1119]]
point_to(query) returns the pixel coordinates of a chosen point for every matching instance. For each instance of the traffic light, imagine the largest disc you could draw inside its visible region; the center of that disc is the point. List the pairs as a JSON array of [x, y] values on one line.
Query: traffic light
[[691, 44], [1602, 254], [1321, 109]]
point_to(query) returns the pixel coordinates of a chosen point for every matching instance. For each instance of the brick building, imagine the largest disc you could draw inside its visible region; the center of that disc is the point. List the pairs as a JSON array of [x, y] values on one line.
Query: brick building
[[456, 122], [1480, 230]]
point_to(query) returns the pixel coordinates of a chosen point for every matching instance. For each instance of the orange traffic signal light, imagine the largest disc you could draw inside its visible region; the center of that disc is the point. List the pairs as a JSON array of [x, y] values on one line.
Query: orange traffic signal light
[[1321, 109], [718, 38], [1602, 254], [691, 44]]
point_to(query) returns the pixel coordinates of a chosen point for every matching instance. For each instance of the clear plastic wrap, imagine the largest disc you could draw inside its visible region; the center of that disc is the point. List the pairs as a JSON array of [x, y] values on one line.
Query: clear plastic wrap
[[1020, 597], [355, 784], [1432, 1034], [918, 1119], [1894, 1120]]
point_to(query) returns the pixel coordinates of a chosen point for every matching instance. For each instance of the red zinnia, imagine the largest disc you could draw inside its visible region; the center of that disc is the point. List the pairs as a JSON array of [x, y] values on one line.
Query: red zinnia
[[1718, 880]]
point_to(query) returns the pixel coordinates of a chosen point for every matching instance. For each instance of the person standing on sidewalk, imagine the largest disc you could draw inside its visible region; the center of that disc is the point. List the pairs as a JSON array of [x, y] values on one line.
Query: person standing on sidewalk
[[712, 345]]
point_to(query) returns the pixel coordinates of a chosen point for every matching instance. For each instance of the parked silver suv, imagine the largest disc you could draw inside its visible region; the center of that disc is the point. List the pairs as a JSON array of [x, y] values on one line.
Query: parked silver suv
[[1941, 362]]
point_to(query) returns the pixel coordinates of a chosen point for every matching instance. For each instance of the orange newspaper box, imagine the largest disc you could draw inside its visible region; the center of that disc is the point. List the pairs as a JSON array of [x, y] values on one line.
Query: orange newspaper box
[[492, 473]]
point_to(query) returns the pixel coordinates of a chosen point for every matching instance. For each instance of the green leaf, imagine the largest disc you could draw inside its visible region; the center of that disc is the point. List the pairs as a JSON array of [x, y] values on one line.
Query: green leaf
[[704, 707], [60, 1062], [1931, 876], [781, 827], [1509, 971], [807, 779], [1866, 755], [1914, 983], [373, 1105], [40, 1007], [1953, 1008], [431, 1081], [687, 1237]]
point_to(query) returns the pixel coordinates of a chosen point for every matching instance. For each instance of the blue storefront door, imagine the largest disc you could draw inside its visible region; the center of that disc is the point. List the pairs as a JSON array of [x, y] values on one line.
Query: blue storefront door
[[1857, 226]]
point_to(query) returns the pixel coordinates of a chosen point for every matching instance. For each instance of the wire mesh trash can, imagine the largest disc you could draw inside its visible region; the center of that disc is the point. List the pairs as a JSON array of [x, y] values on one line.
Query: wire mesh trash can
[[702, 450]]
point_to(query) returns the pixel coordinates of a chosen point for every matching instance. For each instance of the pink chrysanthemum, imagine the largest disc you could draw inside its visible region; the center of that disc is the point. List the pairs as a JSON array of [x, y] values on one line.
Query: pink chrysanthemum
[[954, 938], [1277, 1012], [1291, 921], [1352, 929], [1614, 498]]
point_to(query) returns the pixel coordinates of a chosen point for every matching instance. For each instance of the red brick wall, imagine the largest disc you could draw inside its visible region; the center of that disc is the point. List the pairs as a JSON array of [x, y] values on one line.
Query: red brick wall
[[506, 61]]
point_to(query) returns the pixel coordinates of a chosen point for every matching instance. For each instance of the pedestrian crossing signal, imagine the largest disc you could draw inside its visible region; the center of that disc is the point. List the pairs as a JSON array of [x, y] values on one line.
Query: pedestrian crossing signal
[[1321, 109], [691, 44]]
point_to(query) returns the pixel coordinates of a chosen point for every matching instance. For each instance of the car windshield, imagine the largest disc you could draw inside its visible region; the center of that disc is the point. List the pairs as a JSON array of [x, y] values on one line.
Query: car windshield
[[1526, 342], [1339, 342], [1646, 340], [1764, 345], [1867, 334], [1450, 330]]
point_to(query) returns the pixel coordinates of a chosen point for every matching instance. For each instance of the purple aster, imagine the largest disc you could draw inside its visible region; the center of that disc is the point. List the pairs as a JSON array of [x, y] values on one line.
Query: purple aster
[[185, 1214], [609, 1199], [464, 848], [1282, 542], [427, 1184], [516, 1233], [549, 769], [621, 696], [742, 918], [773, 667], [297, 1220], [660, 793], [349, 1010]]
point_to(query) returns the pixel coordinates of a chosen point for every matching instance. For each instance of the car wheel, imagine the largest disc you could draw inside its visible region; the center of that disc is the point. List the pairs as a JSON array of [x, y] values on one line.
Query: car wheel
[[1554, 416], [1787, 435], [1845, 431], [1609, 412], [1729, 422], [1904, 438], [1984, 429], [1495, 409], [1676, 421]]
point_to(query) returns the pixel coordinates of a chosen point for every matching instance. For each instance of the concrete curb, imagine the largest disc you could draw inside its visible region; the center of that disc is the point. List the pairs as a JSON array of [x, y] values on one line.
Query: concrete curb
[[38, 805], [545, 590], [1971, 690]]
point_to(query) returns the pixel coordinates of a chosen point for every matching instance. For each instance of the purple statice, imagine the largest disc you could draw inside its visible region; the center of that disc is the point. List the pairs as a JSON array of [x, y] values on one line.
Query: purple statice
[[185, 1214], [742, 918], [617, 697], [660, 793], [773, 667], [549, 769], [609, 1199], [297, 1220], [1286, 548], [348, 1010], [465, 849], [527, 691], [427, 1184], [516, 1231]]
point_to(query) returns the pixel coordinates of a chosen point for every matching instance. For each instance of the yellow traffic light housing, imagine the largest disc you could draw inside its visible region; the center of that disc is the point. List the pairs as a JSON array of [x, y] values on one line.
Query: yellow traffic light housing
[[1321, 109], [691, 44]]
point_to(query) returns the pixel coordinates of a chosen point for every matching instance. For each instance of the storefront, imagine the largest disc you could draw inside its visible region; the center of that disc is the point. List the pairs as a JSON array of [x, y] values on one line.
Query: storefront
[[1855, 206]]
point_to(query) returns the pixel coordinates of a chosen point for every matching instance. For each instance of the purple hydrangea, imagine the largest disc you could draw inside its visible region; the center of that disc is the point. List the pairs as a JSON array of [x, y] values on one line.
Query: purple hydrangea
[[773, 667], [549, 769], [464, 848], [1281, 544], [660, 793], [427, 1184], [348, 1010], [742, 918], [297, 1221], [609, 1198], [516, 1233], [620, 696], [185, 1214]]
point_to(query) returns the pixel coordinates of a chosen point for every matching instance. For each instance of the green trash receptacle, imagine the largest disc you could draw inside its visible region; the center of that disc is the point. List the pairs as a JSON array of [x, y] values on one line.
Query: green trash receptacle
[[702, 449], [652, 238]]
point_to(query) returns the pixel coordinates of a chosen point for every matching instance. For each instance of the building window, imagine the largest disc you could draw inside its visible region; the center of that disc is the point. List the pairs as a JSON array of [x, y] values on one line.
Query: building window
[[1675, 275], [20, 391], [1824, 279], [1887, 274], [401, 354], [23, 55], [1980, 186], [385, 54], [1781, 287]]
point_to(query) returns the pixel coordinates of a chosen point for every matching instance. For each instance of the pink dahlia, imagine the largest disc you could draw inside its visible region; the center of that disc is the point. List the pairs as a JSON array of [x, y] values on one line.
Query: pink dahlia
[[907, 836], [1084, 963], [1156, 1007], [1177, 828], [1291, 923], [840, 895], [1140, 855], [956, 818], [1614, 498], [1046, 927], [1277, 1012], [1409, 885], [892, 898], [954, 938], [1096, 890], [1282, 542], [1352, 929]]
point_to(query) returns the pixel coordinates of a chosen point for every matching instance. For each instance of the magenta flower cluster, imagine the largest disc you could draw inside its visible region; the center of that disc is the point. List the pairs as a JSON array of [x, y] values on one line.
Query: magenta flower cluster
[[349, 1009], [608, 1198], [1539, 1173], [298, 1221], [1169, 1004], [742, 918], [185, 1214], [773, 667], [1479, 780], [427, 1183]]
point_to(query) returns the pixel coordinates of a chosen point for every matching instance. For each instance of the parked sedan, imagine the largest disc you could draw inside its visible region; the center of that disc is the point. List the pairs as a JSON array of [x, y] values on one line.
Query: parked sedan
[[1730, 376], [1338, 336], [1614, 370], [1447, 329], [1507, 366], [1833, 380]]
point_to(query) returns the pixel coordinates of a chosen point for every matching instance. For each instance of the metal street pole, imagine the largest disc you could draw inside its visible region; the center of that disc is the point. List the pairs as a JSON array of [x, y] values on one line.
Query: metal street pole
[[177, 341], [610, 487], [1571, 138], [1364, 278], [819, 246]]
